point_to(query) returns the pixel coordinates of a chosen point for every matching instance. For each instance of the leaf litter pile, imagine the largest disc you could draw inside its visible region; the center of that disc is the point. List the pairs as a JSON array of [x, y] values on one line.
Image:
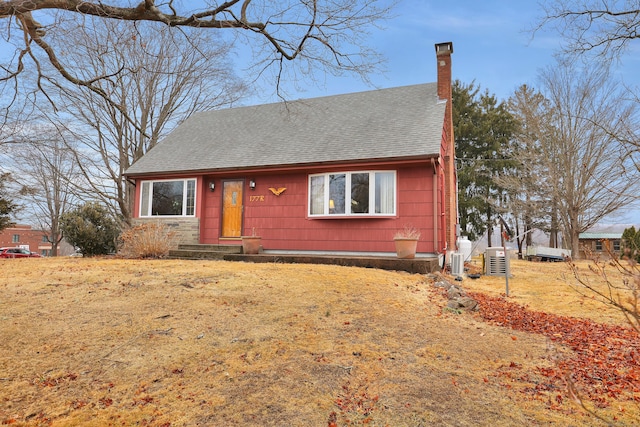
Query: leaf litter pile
[[604, 359], [188, 343]]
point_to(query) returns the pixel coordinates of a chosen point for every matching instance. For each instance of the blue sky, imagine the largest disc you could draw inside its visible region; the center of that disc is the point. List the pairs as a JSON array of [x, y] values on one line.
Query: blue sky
[[491, 40]]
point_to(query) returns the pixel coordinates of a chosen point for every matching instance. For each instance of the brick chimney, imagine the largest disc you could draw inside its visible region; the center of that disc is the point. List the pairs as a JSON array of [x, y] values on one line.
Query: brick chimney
[[443, 57]]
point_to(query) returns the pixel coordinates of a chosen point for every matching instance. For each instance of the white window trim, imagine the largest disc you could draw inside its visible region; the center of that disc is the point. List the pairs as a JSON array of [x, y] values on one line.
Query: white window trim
[[348, 213], [184, 197]]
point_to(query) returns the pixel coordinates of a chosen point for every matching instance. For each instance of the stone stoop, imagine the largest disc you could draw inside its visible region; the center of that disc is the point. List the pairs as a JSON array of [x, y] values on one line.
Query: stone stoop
[[204, 251]]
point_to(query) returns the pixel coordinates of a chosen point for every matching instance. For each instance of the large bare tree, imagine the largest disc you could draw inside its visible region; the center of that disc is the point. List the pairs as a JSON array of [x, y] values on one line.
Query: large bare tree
[[324, 35], [157, 76], [45, 169], [587, 161], [530, 201]]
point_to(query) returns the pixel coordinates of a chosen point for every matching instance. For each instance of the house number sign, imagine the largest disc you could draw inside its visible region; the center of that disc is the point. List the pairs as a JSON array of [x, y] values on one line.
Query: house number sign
[[256, 198]]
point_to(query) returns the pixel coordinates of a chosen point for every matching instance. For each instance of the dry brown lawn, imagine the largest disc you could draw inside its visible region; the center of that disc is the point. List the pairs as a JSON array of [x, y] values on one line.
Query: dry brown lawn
[[551, 287], [96, 342]]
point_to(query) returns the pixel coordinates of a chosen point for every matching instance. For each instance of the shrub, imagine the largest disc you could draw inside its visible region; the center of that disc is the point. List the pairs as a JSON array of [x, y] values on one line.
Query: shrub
[[91, 229], [150, 240], [630, 248]]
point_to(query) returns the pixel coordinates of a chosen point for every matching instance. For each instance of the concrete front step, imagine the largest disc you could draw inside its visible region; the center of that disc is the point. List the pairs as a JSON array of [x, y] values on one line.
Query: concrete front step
[[204, 251], [229, 249], [234, 253], [186, 254]]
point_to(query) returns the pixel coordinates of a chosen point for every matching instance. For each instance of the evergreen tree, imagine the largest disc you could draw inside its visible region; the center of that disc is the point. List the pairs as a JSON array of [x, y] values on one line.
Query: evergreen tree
[[630, 247], [483, 129], [7, 207]]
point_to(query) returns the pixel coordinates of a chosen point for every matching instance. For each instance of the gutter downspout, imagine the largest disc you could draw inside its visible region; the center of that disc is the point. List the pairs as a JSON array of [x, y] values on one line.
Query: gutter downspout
[[435, 206]]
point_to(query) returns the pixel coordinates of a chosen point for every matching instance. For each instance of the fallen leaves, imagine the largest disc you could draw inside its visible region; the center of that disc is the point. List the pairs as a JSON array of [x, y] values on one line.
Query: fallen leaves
[[356, 403], [53, 381], [604, 364]]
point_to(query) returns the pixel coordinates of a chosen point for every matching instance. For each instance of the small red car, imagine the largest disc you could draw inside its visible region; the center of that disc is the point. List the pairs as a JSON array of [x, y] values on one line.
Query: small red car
[[17, 253]]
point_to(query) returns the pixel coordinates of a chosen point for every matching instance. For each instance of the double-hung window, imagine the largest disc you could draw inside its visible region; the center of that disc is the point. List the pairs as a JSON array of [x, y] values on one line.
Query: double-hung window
[[361, 193], [616, 245], [168, 198]]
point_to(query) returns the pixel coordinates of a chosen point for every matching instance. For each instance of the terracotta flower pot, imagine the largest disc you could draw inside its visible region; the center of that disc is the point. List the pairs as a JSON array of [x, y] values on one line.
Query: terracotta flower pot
[[251, 244], [406, 248]]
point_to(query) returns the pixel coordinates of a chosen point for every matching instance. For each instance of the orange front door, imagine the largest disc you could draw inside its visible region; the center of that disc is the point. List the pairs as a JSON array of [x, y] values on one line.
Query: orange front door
[[232, 208]]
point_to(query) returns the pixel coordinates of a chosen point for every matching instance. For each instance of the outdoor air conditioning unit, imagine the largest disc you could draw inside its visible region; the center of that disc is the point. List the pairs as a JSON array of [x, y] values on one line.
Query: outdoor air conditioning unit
[[457, 264], [496, 261]]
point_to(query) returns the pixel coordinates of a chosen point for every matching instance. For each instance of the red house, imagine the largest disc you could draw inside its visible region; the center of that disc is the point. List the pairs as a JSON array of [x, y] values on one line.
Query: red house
[[334, 174]]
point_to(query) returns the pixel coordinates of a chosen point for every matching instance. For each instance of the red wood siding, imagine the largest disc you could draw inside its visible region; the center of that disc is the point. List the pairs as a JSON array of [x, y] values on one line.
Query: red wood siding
[[283, 221], [284, 224]]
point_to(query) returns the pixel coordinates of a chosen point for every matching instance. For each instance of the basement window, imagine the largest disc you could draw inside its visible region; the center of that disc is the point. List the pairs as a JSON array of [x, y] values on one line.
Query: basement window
[[358, 194], [168, 198]]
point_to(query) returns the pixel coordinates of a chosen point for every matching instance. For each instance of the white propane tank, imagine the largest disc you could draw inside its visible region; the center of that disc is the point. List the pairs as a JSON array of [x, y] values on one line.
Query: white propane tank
[[464, 247]]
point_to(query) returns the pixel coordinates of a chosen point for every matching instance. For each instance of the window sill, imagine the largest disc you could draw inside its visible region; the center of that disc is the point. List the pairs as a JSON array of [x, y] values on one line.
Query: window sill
[[391, 216], [166, 216]]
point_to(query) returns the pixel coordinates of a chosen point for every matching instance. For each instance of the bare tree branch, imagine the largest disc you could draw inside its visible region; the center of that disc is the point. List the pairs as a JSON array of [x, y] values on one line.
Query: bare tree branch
[[158, 84], [315, 31], [624, 296], [604, 27], [587, 162]]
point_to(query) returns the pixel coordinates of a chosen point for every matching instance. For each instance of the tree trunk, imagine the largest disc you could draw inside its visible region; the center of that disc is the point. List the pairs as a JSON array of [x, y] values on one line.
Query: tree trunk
[[553, 232], [575, 244], [489, 227]]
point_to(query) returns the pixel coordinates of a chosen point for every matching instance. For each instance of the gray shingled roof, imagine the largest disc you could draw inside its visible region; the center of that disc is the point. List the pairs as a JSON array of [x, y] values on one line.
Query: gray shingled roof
[[403, 122]]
